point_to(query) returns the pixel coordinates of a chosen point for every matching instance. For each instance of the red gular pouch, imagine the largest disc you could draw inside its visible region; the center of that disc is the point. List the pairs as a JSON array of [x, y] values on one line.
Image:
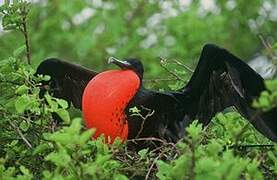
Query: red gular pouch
[[104, 101]]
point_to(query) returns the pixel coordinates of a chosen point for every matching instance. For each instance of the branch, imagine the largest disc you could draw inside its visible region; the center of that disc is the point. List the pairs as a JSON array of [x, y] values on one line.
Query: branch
[[252, 146], [144, 118], [267, 46], [162, 63], [152, 165], [27, 44], [147, 139], [183, 65], [156, 80], [21, 135]]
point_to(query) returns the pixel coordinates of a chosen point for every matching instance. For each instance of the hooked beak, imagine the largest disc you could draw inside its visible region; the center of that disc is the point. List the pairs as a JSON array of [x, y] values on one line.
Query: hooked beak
[[121, 64]]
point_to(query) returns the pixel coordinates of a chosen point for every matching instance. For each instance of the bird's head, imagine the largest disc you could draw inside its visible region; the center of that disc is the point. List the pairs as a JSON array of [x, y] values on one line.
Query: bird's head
[[131, 64]]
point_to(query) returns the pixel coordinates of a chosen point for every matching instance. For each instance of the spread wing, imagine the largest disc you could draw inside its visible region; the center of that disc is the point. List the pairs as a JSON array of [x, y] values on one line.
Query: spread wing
[[222, 80], [162, 113], [68, 81]]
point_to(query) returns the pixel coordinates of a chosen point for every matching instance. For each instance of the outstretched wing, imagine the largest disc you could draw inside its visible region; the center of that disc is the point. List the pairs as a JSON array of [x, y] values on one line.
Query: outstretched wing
[[68, 81], [222, 80], [161, 112]]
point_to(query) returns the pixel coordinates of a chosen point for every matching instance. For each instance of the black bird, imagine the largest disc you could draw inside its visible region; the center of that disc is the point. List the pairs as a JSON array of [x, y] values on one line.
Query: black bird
[[220, 80]]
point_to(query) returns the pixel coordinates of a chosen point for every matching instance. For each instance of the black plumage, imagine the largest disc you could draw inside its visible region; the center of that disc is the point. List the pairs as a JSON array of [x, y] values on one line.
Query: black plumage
[[68, 81], [220, 80]]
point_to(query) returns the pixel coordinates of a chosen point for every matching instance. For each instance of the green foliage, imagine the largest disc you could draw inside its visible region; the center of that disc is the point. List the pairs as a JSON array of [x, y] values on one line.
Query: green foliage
[[76, 156], [34, 145], [14, 14], [14, 17], [268, 99], [209, 160], [31, 143], [88, 32]]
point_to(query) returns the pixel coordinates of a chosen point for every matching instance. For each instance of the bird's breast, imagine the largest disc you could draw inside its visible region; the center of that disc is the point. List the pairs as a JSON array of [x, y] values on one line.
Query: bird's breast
[[105, 99]]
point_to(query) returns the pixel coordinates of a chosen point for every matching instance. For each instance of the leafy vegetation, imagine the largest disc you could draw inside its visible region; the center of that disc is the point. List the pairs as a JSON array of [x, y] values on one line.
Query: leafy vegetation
[[33, 145]]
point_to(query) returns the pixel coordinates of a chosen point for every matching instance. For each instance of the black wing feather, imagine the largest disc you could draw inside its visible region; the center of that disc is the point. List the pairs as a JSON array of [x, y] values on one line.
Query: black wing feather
[[222, 80], [68, 81], [164, 123]]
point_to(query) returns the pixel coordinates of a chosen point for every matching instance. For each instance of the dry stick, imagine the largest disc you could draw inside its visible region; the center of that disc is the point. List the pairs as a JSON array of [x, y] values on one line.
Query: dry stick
[[147, 139], [144, 118], [183, 65], [21, 135], [165, 143], [170, 72], [252, 145], [267, 46], [152, 165], [152, 139], [156, 80]]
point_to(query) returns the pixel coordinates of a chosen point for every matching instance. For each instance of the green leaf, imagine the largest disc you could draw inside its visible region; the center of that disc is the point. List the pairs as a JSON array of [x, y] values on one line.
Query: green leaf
[[58, 137], [62, 103], [23, 89], [120, 177], [194, 130], [134, 110], [271, 85], [26, 173], [75, 126], [60, 158], [24, 126], [21, 103], [164, 170], [85, 136], [46, 78], [64, 115], [143, 153], [54, 105], [13, 143], [40, 148]]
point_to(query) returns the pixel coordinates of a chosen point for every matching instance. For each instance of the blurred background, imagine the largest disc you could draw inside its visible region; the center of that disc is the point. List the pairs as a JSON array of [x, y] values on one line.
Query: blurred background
[[89, 31]]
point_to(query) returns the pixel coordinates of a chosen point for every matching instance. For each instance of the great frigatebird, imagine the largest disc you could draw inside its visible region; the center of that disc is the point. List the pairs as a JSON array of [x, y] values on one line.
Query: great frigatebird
[[116, 103]]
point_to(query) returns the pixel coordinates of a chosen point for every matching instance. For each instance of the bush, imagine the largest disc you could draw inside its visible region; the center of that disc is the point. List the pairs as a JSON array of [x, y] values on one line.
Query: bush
[[36, 146]]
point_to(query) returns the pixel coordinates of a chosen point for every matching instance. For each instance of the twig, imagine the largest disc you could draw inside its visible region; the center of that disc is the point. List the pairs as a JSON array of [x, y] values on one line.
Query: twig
[[267, 46], [183, 65], [156, 80], [252, 146], [164, 142], [152, 165], [162, 63], [21, 135], [144, 118], [27, 44], [147, 139]]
